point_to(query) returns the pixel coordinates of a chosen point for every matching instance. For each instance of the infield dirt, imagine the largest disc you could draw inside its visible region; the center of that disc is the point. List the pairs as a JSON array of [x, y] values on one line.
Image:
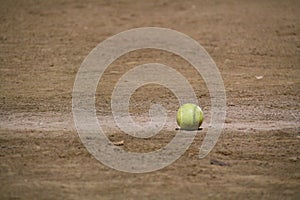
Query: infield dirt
[[256, 47]]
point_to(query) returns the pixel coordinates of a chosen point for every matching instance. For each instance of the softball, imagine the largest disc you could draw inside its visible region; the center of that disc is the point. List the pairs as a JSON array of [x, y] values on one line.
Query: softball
[[189, 117]]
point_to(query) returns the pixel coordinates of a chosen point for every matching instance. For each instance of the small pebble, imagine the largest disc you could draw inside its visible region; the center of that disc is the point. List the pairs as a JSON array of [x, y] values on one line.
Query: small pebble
[[293, 159], [218, 162]]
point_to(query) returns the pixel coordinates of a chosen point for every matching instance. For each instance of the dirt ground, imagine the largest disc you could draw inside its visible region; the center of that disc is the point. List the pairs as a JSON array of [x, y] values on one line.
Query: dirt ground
[[256, 47]]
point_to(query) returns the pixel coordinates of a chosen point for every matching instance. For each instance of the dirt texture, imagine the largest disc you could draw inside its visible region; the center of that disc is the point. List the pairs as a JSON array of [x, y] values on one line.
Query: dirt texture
[[256, 47]]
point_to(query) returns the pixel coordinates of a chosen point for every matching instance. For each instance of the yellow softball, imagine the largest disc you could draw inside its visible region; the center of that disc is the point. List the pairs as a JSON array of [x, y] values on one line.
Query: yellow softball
[[189, 117]]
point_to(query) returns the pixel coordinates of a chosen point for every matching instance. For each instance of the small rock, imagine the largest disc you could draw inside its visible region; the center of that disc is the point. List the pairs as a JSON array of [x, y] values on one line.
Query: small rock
[[293, 159], [218, 162], [119, 143]]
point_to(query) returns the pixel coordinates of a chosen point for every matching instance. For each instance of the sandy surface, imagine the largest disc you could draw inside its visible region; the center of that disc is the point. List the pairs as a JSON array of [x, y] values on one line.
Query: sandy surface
[[256, 46]]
